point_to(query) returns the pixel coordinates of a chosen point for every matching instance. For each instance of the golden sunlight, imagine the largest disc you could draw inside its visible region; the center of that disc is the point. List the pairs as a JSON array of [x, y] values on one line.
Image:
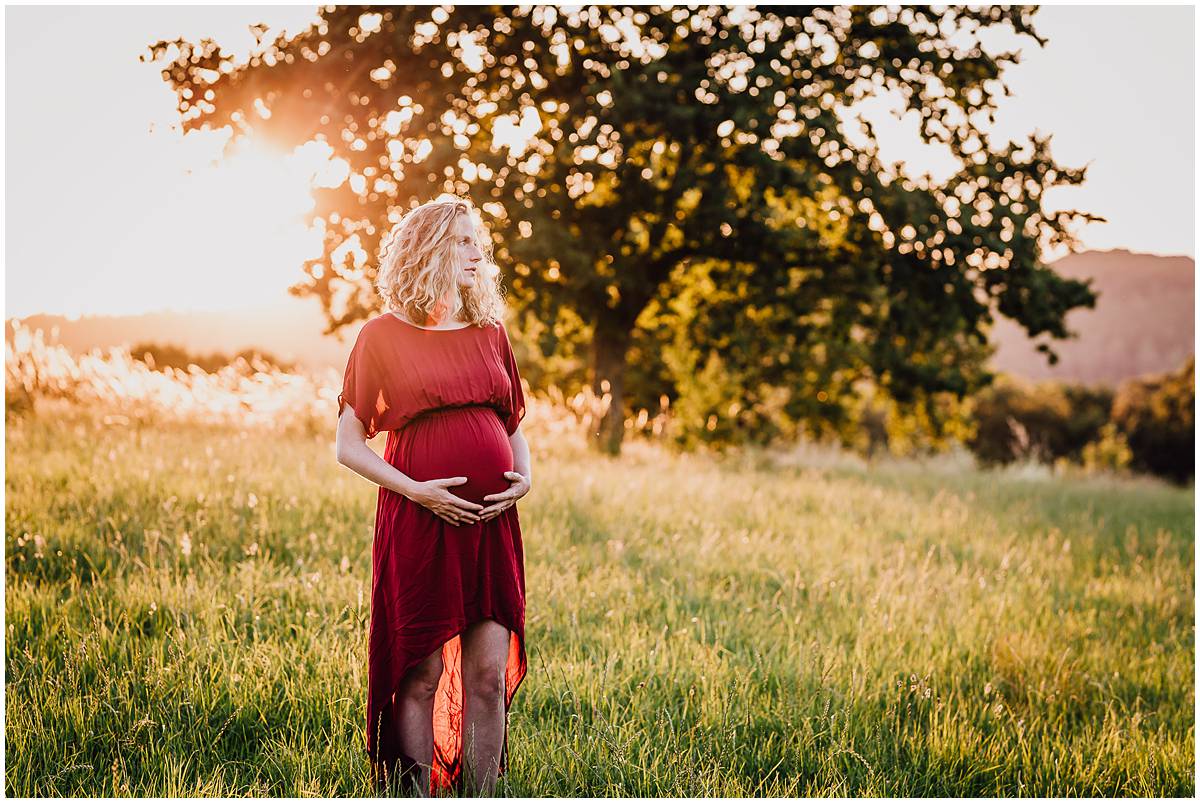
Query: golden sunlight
[[252, 202]]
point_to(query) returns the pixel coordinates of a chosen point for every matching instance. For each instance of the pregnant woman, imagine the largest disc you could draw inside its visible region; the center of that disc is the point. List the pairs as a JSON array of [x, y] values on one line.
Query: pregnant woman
[[447, 636]]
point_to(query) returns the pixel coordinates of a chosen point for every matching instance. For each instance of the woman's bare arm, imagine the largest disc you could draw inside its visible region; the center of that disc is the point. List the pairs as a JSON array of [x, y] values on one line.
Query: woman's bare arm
[[520, 450], [354, 453]]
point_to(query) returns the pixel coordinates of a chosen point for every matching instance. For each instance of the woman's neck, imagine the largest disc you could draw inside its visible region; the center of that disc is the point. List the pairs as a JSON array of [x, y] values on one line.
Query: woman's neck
[[440, 326]]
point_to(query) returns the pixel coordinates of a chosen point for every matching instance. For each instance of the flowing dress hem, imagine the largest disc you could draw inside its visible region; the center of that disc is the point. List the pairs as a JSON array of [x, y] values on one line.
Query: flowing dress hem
[[446, 771]]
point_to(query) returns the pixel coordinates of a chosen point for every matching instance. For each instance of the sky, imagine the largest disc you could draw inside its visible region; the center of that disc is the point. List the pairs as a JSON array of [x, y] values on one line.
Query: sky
[[111, 210]]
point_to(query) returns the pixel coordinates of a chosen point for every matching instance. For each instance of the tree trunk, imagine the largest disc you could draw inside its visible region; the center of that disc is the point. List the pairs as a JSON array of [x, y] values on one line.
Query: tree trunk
[[610, 345]]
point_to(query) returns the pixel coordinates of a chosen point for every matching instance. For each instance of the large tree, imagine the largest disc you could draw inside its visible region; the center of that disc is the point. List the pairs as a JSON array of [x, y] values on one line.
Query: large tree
[[681, 154]]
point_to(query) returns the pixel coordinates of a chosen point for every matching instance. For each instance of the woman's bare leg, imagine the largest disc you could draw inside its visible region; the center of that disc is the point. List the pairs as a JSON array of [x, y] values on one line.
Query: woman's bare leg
[[414, 714], [484, 658]]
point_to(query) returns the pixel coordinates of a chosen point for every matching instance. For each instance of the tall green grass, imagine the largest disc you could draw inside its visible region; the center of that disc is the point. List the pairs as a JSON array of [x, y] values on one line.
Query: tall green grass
[[187, 609]]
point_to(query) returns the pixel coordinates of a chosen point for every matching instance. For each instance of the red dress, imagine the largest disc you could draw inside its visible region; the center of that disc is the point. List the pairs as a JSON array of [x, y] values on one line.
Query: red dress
[[448, 400]]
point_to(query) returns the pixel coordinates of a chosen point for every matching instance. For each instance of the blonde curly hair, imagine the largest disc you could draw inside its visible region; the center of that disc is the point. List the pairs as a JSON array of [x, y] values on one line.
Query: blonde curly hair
[[416, 268]]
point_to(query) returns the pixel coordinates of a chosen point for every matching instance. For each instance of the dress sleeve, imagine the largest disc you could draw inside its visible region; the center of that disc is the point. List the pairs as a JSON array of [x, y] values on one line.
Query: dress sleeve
[[515, 404], [363, 388]]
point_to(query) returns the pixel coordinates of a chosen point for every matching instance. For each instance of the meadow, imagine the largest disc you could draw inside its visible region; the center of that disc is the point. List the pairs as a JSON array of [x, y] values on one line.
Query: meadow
[[185, 615]]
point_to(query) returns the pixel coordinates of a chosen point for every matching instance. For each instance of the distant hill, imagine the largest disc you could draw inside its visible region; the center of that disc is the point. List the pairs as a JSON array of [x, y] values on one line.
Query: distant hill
[[1143, 322], [290, 330]]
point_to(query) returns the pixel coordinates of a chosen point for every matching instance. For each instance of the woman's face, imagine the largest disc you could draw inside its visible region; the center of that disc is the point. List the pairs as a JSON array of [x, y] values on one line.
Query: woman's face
[[467, 255]]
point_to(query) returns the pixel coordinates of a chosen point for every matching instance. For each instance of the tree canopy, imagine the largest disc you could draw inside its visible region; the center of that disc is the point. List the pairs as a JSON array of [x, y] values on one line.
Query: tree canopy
[[686, 186]]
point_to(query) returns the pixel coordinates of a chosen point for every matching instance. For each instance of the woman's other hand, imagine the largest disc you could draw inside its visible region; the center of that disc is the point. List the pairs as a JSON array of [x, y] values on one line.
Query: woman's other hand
[[518, 486]]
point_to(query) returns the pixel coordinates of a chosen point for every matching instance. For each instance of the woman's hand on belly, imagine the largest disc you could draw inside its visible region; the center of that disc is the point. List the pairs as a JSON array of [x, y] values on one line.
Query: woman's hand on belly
[[432, 495], [518, 486]]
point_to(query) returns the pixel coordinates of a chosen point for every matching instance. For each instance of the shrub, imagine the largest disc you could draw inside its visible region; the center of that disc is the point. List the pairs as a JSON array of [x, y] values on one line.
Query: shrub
[[1015, 420], [160, 356], [1047, 421], [1091, 409], [1156, 416], [1108, 453]]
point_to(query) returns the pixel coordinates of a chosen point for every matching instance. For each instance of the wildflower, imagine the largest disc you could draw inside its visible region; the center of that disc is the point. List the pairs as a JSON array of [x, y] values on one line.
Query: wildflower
[[185, 544]]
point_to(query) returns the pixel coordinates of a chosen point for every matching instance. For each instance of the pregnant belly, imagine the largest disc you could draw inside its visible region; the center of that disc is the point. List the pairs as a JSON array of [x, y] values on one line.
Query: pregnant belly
[[457, 442]]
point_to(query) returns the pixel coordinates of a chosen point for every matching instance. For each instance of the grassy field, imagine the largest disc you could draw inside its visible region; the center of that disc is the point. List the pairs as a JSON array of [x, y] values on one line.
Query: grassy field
[[186, 615]]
